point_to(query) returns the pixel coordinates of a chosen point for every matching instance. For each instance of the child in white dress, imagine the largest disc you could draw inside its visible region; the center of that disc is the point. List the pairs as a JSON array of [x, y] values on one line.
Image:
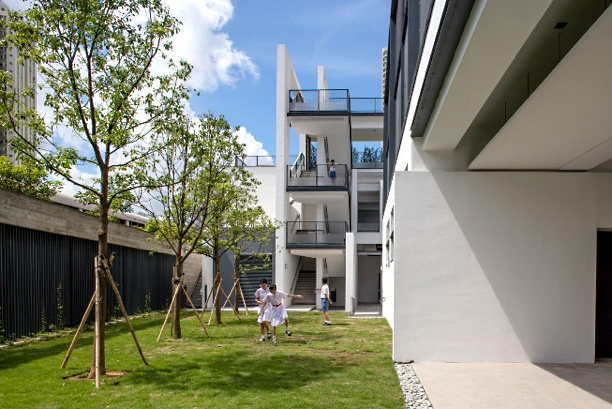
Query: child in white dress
[[259, 296], [277, 312]]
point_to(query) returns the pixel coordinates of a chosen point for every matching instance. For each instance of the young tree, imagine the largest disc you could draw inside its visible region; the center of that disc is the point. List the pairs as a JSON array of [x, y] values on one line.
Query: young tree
[[193, 160], [235, 221], [250, 229], [29, 178], [96, 60]]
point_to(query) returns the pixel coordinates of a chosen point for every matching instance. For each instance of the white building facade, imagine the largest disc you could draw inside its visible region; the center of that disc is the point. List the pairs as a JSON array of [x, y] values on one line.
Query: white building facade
[[497, 181], [331, 224]]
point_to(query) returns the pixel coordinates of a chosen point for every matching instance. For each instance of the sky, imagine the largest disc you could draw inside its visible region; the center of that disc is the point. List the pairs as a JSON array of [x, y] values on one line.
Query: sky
[[232, 46]]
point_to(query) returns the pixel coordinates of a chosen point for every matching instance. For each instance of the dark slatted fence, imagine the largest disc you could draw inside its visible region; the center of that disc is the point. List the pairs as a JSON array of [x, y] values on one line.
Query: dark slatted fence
[[34, 264]]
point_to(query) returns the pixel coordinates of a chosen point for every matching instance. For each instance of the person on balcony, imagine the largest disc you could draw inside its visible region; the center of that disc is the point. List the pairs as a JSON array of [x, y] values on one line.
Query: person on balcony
[[332, 171]]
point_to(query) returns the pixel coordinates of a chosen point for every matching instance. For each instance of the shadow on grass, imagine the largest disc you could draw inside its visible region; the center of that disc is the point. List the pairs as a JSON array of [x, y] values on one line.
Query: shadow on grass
[[235, 372], [16, 356]]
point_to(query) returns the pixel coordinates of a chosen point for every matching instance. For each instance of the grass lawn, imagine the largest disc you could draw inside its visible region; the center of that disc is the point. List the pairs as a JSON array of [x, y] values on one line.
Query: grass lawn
[[347, 365]]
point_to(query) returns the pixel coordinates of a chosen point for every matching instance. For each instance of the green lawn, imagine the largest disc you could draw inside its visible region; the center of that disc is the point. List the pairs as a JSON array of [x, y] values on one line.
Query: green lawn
[[347, 365]]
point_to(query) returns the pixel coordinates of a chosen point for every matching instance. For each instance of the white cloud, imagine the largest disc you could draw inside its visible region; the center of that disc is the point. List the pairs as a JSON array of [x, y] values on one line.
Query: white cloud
[[253, 146], [202, 43]]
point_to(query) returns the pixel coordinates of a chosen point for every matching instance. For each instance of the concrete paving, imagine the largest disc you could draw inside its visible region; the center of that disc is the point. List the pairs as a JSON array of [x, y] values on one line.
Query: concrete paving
[[516, 385]]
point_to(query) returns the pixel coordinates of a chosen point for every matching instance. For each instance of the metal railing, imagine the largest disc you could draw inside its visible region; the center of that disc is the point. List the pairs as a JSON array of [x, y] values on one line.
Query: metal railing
[[300, 178], [256, 161], [306, 234], [319, 100], [367, 165], [366, 105], [297, 273]]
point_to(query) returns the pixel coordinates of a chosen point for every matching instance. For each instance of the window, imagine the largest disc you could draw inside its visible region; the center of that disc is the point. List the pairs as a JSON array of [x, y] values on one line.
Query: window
[[390, 243]]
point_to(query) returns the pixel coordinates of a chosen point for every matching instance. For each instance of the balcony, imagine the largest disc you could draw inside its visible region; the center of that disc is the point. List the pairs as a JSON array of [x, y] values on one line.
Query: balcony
[[366, 106], [332, 102], [316, 177], [316, 235], [328, 101]]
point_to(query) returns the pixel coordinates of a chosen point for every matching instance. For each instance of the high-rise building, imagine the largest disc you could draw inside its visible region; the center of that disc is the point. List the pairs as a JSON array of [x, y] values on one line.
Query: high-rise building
[[24, 75]]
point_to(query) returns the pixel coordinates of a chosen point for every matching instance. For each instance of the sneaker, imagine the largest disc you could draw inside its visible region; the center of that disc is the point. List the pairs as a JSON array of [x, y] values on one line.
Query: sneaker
[[275, 343], [269, 335], [288, 332], [262, 339]]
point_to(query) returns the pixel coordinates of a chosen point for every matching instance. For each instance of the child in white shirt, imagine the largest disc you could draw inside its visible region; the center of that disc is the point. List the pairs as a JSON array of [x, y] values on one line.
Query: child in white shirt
[[259, 296], [277, 312]]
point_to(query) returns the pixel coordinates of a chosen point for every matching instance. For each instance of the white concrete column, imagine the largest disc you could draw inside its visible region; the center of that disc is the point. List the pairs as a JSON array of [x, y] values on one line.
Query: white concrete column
[[351, 272], [207, 278], [320, 272]]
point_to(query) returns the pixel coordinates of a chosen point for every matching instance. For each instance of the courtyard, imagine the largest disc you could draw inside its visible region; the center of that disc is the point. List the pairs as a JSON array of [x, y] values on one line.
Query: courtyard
[[346, 365]]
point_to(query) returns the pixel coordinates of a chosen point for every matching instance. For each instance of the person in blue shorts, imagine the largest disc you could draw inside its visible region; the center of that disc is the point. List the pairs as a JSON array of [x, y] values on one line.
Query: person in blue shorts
[[325, 301]]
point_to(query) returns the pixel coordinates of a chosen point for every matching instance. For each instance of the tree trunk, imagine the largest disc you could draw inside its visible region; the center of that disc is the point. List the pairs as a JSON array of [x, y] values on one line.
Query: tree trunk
[[216, 285], [102, 251], [237, 281], [177, 273]]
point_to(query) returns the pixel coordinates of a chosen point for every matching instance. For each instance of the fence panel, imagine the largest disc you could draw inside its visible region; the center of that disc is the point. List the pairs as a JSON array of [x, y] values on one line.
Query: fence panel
[[33, 265]]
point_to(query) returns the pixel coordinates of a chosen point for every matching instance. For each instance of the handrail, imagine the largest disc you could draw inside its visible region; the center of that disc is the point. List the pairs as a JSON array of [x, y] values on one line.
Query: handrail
[[317, 178], [295, 222], [326, 149], [327, 230], [298, 165], [297, 273]]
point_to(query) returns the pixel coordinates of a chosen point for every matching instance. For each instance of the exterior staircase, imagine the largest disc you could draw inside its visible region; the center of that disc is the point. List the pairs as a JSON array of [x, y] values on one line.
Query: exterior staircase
[[196, 294], [306, 286]]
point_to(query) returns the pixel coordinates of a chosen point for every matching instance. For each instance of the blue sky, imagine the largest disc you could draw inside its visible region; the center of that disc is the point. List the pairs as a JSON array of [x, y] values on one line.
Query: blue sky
[[346, 36]]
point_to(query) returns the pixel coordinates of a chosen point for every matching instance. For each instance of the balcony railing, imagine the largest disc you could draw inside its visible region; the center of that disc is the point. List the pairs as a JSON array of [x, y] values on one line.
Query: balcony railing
[[317, 234], [361, 105], [319, 100], [253, 161], [332, 100], [317, 177]]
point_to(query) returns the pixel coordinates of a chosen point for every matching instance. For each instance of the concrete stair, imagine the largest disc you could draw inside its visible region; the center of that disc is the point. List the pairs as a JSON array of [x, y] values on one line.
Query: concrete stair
[[306, 286]]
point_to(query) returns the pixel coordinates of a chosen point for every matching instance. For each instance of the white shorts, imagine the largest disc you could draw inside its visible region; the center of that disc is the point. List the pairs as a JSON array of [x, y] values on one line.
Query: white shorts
[[277, 315], [266, 314]]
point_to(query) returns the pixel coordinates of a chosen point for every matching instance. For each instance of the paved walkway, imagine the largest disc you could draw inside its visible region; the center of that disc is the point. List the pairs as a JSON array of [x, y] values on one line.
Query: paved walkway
[[521, 386]]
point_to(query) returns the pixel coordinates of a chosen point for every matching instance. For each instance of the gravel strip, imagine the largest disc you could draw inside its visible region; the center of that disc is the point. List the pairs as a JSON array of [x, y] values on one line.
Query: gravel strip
[[414, 393]]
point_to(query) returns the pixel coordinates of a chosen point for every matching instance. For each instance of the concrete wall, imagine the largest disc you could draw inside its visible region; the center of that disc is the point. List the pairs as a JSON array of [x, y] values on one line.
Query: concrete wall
[[266, 191], [25, 211], [496, 266]]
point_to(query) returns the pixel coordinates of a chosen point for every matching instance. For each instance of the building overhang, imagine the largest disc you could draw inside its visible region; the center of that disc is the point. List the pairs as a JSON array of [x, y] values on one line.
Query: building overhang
[[566, 123], [494, 34], [317, 253]]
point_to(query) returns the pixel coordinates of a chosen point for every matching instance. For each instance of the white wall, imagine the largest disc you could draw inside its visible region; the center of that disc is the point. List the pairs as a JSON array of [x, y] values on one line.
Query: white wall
[[267, 190], [495, 266], [351, 271]]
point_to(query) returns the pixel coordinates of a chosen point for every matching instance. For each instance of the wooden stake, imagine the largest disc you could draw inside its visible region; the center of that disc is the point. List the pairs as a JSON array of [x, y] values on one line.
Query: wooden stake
[[196, 311], [212, 310], [231, 305], [97, 347], [227, 297], [169, 311], [78, 332], [106, 270], [246, 309]]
